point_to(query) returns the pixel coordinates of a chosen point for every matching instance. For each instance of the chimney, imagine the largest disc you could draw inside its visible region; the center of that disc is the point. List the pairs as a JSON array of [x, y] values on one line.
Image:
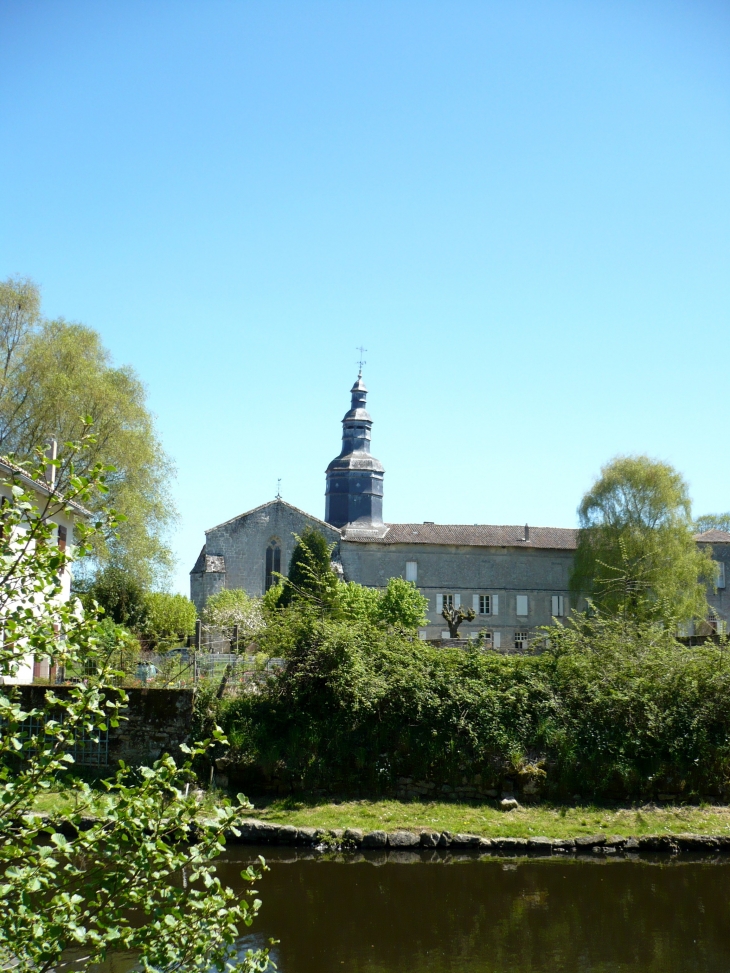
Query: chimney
[[527, 533], [51, 454]]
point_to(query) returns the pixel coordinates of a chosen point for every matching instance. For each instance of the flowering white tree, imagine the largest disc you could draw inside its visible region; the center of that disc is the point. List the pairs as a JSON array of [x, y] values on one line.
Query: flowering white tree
[[232, 606]]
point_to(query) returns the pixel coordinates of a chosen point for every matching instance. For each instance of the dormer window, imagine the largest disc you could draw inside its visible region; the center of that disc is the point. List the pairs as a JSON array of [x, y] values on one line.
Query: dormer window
[[273, 564]]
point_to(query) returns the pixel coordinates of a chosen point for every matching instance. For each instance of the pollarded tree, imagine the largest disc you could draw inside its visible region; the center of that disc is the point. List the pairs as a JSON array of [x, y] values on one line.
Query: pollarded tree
[[636, 552], [455, 616]]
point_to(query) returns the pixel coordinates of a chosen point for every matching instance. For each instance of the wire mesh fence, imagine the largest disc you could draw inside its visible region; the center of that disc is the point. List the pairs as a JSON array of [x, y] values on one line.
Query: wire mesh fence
[[89, 748], [186, 668]]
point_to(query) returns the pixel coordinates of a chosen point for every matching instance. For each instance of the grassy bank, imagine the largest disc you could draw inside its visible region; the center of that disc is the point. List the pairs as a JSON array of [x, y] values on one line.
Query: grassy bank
[[551, 821], [482, 819]]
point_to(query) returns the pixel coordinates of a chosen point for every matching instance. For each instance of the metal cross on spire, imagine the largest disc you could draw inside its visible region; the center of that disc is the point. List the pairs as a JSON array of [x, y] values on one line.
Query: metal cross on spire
[[361, 361], [278, 489]]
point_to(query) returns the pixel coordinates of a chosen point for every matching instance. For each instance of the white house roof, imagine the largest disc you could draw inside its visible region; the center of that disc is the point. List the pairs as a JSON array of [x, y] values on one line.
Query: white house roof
[[11, 471]]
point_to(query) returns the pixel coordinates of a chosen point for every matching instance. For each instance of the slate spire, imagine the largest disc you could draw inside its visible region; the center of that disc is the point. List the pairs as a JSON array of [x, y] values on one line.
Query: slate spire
[[354, 493]]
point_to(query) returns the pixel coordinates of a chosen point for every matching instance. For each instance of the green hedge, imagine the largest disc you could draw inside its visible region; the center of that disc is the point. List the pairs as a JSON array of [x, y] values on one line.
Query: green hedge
[[605, 711]]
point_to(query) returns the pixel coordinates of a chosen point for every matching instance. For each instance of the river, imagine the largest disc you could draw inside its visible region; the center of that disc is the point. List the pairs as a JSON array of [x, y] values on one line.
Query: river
[[416, 915]]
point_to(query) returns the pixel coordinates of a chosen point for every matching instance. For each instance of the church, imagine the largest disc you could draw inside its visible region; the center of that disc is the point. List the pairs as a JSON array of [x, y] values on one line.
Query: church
[[514, 577]]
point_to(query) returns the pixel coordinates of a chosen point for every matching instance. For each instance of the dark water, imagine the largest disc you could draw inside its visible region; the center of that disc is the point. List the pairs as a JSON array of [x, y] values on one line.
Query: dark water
[[492, 915]]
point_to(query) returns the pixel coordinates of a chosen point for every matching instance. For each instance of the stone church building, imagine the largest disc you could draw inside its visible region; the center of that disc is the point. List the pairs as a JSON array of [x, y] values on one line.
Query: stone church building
[[514, 577]]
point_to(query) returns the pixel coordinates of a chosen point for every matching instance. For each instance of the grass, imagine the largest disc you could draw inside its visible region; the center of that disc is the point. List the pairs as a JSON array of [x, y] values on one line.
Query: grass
[[486, 819], [551, 821]]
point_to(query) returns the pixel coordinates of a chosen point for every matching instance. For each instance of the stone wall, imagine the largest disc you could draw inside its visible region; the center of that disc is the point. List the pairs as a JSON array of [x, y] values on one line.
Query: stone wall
[[237, 548], [538, 573], [156, 721]]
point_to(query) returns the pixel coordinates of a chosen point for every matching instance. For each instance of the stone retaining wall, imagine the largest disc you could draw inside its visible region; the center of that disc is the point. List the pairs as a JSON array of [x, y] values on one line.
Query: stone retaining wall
[[156, 721], [263, 833]]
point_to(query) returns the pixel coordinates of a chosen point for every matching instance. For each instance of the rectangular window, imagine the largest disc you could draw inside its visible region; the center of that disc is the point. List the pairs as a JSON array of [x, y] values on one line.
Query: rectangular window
[[446, 635], [423, 634], [558, 606], [62, 537], [411, 570], [521, 640], [522, 605], [497, 640], [447, 601], [485, 605], [720, 574]]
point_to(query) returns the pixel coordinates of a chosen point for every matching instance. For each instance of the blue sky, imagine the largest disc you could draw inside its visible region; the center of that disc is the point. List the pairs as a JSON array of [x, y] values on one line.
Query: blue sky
[[521, 209]]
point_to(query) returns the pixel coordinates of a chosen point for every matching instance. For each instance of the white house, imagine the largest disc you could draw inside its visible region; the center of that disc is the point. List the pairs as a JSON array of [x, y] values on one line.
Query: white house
[[63, 515]]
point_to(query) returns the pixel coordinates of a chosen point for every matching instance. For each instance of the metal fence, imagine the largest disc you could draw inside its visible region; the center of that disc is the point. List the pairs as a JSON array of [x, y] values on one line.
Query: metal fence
[[184, 668], [89, 748]]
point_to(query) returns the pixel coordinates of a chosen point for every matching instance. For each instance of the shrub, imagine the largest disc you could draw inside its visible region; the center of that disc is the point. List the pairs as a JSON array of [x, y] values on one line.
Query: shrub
[[608, 709]]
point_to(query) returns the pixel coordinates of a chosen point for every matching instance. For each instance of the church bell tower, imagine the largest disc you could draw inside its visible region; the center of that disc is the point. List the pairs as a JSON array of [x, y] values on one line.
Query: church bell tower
[[354, 493]]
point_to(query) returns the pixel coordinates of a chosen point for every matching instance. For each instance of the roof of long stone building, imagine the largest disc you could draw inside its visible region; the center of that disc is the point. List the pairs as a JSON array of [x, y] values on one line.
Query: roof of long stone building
[[713, 537], [471, 535]]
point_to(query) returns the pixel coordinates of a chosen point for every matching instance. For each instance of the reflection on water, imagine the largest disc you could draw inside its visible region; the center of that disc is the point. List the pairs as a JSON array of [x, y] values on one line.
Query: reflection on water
[[492, 915]]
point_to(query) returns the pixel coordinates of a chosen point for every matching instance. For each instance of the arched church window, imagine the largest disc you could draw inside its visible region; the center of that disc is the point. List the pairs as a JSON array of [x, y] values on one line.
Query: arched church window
[[273, 563]]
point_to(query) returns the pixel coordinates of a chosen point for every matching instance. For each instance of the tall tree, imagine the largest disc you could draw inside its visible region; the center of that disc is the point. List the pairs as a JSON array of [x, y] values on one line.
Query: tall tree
[[54, 373], [713, 522], [636, 551], [311, 577]]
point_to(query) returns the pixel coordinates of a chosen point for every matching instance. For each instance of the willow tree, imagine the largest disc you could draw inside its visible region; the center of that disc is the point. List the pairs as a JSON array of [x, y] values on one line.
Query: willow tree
[[52, 375], [713, 522], [636, 551]]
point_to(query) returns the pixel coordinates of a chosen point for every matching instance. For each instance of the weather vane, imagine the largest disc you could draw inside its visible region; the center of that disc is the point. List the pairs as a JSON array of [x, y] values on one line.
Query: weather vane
[[278, 489], [362, 361]]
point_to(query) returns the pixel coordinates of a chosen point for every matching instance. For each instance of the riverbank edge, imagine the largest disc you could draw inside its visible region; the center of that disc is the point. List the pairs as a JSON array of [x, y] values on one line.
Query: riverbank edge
[[253, 832]]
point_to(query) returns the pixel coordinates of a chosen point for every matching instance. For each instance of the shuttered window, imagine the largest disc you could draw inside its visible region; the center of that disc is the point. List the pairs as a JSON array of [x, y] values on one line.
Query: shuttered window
[[522, 605], [558, 606], [720, 574], [497, 640], [411, 570], [483, 604]]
